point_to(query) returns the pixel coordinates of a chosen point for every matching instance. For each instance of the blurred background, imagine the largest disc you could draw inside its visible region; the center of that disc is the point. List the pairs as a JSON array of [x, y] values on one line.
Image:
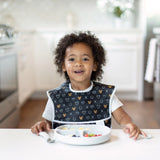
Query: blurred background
[[30, 30]]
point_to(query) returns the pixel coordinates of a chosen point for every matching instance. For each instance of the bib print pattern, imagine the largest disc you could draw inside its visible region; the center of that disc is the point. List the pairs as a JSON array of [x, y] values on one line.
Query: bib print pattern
[[82, 106]]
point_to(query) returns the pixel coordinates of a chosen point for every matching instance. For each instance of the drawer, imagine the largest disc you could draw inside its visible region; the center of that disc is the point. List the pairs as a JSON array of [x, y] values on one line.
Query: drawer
[[119, 38]]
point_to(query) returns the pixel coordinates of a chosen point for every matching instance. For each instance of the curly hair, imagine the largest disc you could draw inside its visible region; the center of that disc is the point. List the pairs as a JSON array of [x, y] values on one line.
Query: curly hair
[[88, 39]]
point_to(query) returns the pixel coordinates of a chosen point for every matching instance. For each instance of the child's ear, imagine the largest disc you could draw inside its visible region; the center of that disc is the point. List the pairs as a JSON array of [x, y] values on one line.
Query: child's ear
[[94, 67], [63, 68]]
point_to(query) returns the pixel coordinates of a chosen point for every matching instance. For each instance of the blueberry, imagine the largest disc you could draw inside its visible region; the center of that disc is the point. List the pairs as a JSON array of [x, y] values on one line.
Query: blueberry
[[74, 135]]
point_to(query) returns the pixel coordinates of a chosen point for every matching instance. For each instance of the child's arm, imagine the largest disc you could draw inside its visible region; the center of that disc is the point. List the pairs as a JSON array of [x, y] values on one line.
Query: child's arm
[[124, 120], [41, 126]]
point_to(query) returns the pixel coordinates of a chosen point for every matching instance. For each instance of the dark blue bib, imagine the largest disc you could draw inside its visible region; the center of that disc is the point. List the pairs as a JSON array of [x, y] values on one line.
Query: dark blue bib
[[82, 107]]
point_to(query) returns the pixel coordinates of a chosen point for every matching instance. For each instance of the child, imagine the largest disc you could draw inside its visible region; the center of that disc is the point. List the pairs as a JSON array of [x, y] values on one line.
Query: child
[[82, 100]]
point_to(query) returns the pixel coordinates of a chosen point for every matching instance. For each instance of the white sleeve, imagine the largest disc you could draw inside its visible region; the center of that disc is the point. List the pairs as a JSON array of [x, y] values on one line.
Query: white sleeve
[[49, 110], [115, 103]]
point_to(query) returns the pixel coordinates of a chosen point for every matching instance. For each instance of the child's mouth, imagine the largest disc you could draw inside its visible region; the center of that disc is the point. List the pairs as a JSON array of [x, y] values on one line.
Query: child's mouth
[[78, 72]]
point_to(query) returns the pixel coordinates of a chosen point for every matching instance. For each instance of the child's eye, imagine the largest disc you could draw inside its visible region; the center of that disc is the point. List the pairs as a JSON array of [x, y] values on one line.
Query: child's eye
[[85, 59], [71, 59]]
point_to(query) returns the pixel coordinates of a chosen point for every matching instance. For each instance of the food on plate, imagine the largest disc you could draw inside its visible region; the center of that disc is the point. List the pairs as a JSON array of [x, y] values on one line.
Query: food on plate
[[92, 135]]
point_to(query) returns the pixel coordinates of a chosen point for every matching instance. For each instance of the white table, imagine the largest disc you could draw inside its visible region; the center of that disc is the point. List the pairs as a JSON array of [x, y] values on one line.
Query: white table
[[21, 144]]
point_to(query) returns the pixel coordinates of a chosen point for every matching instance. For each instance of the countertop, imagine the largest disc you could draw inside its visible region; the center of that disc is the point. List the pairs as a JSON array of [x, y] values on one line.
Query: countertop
[[21, 144]]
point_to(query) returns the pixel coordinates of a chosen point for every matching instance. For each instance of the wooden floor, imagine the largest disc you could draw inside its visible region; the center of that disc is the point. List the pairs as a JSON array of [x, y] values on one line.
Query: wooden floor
[[143, 113]]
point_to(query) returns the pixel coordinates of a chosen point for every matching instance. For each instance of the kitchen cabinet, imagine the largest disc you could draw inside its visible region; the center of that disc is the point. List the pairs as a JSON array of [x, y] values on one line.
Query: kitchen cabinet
[[157, 101], [26, 84], [124, 62], [124, 67], [46, 76]]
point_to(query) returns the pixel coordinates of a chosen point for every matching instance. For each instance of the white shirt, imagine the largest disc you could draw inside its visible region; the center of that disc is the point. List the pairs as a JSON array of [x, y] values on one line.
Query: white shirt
[[48, 113]]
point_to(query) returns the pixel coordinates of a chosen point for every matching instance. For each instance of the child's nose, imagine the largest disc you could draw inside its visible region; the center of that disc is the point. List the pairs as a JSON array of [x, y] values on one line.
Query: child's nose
[[79, 63]]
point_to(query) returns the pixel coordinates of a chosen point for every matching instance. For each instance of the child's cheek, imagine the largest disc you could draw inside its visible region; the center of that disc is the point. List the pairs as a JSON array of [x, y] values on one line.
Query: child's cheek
[[68, 66]]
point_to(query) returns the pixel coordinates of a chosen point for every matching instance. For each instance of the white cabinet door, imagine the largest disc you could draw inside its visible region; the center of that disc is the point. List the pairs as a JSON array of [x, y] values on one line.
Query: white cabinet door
[[26, 84], [46, 76], [124, 58], [121, 69]]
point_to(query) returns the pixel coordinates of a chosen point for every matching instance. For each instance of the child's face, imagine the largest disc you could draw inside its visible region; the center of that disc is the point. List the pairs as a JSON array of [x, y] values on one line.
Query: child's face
[[79, 63]]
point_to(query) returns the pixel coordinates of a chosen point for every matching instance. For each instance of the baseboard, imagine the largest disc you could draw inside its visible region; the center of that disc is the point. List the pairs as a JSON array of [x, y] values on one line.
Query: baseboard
[[127, 95], [121, 95], [39, 95]]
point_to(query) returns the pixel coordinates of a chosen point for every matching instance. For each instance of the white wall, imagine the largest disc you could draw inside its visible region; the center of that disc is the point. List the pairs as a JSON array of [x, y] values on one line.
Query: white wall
[[33, 14]]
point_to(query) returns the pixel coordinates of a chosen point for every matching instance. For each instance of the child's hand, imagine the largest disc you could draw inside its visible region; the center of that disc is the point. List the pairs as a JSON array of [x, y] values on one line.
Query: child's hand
[[133, 131], [40, 126]]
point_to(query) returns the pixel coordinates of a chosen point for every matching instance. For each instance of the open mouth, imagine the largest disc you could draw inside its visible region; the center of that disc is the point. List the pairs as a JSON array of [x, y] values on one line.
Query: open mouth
[[78, 72]]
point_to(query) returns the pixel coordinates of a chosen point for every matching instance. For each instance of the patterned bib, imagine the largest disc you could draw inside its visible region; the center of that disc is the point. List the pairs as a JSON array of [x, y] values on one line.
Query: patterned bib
[[82, 107]]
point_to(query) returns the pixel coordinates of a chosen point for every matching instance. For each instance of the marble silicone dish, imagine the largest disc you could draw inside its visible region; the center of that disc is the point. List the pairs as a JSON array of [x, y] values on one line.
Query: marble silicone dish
[[65, 134]]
